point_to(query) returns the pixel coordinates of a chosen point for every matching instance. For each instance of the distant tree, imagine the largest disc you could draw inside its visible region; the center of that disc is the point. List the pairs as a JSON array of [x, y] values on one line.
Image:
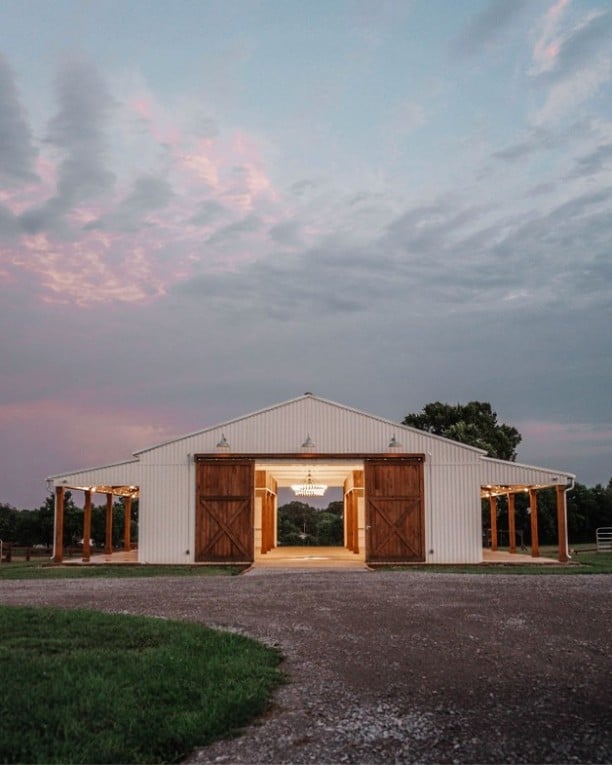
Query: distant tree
[[27, 528], [8, 523], [474, 423], [330, 529], [302, 524]]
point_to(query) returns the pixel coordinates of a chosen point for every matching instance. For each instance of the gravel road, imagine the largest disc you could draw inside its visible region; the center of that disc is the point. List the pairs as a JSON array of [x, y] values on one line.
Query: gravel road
[[398, 667]]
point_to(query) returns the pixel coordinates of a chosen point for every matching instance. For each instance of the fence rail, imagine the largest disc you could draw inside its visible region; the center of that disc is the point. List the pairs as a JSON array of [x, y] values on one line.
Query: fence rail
[[603, 535]]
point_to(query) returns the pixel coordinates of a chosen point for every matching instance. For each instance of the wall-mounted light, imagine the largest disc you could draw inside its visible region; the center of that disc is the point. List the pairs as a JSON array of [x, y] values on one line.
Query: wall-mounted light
[[308, 445], [223, 444], [394, 445]]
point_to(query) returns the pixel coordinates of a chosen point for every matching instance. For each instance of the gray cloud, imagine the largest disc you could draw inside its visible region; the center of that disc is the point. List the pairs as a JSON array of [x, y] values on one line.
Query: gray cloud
[[592, 163], [303, 187], [287, 233], [207, 212], [494, 18], [231, 232], [78, 130], [149, 194], [9, 226], [536, 140], [17, 153]]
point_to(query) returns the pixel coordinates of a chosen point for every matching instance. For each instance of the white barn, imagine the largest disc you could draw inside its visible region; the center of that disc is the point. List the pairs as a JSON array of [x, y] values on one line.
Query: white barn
[[409, 496]]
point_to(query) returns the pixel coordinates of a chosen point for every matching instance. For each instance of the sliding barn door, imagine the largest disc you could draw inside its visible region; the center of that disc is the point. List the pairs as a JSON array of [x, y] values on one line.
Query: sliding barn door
[[395, 525], [224, 511]]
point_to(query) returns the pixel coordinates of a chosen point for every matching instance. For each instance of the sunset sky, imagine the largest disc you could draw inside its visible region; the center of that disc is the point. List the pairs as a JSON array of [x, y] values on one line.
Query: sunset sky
[[208, 207]]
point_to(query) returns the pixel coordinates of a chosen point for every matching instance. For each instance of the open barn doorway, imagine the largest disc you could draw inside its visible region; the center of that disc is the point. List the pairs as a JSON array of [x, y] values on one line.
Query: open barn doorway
[[307, 512], [310, 521]]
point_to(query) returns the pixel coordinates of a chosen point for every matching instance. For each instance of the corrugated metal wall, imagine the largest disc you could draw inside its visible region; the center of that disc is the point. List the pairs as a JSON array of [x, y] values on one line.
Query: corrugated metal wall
[[498, 472], [166, 532]]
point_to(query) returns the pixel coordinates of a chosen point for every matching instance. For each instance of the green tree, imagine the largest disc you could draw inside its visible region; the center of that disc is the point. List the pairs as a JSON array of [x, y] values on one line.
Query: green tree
[[474, 423], [329, 529], [8, 523], [27, 528], [302, 524]]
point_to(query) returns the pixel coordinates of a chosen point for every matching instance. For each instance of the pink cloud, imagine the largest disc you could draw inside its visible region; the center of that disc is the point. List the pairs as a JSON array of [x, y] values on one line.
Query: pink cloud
[[125, 246], [548, 45]]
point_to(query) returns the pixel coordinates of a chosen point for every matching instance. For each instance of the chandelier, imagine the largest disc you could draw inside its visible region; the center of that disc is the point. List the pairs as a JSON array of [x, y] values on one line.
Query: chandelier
[[308, 488]]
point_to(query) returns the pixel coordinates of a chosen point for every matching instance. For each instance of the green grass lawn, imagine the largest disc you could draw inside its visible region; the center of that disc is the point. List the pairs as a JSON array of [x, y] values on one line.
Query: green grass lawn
[[44, 569], [85, 687], [582, 563]]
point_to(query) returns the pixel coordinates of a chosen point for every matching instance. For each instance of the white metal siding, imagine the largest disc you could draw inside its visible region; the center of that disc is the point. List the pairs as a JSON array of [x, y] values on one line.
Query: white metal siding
[[453, 525], [332, 428], [119, 474], [166, 515], [498, 472]]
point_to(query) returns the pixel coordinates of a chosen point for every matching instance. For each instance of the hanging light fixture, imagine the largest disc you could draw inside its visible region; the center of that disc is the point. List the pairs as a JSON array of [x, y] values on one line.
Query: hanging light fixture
[[308, 488]]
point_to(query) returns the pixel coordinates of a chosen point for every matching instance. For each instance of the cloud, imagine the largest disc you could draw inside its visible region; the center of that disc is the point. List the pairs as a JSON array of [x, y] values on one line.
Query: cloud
[[535, 140], [149, 194], [78, 132], [574, 47], [227, 234], [9, 227], [207, 213], [286, 233], [17, 152], [569, 93], [593, 162], [487, 25], [571, 59]]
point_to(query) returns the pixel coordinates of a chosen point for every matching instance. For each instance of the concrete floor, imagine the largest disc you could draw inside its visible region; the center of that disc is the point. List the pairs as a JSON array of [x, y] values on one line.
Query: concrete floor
[[317, 558]]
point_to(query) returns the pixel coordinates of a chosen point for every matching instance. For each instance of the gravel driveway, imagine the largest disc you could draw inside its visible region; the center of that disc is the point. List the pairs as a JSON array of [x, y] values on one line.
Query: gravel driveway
[[399, 666]]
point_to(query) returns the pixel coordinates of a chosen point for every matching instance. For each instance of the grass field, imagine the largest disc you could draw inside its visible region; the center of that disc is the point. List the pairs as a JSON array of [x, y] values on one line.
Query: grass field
[[583, 563], [84, 687], [43, 569]]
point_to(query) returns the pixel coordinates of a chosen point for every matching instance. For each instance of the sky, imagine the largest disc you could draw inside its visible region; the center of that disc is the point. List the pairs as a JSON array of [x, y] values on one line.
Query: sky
[[207, 208]]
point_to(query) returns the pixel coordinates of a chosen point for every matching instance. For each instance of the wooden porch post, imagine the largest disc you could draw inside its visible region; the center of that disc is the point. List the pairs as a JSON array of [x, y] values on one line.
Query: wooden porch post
[[87, 528], [58, 552], [535, 542], [108, 540], [562, 524], [493, 508], [127, 525], [511, 523]]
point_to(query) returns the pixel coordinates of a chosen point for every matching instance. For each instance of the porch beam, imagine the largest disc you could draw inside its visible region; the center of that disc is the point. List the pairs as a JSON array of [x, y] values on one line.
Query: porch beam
[[535, 541], [108, 538], [127, 524], [87, 528], [562, 523], [493, 513], [58, 550], [512, 523]]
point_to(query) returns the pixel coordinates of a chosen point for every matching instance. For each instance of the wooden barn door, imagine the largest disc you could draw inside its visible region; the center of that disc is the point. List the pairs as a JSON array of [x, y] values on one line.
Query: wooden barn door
[[395, 526], [224, 511]]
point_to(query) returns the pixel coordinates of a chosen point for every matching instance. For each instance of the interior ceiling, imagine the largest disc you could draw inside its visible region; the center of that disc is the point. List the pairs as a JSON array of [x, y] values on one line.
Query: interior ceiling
[[330, 473]]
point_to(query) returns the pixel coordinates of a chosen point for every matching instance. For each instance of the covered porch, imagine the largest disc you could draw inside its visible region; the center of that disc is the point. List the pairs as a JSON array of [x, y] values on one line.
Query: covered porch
[[505, 479], [112, 481]]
